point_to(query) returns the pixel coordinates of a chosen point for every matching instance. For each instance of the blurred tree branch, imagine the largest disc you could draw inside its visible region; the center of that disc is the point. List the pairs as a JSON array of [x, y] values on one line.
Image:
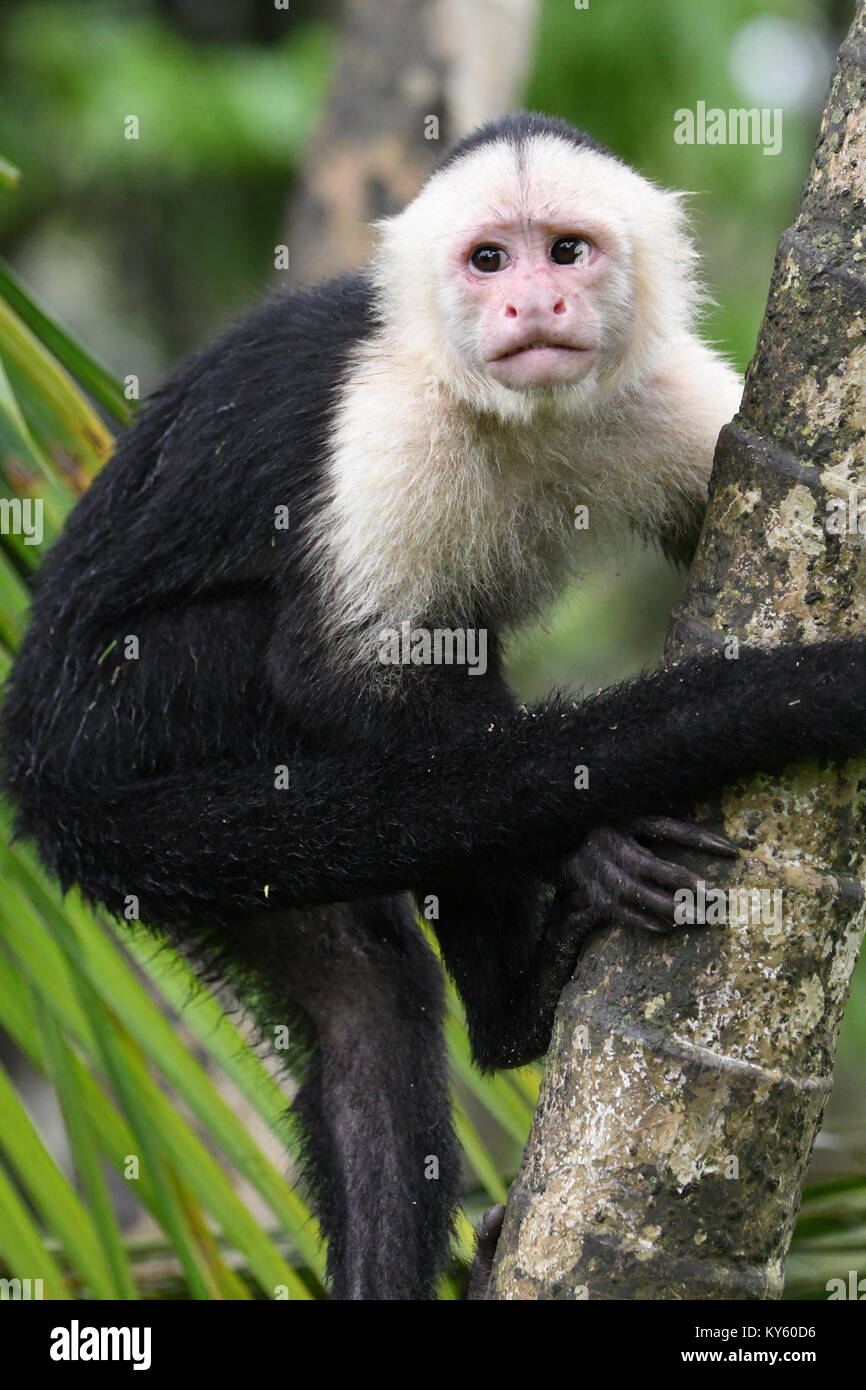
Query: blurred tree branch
[[685, 1084], [398, 66]]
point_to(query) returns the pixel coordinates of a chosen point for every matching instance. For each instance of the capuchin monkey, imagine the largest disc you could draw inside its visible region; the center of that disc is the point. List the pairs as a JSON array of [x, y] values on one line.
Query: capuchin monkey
[[230, 709]]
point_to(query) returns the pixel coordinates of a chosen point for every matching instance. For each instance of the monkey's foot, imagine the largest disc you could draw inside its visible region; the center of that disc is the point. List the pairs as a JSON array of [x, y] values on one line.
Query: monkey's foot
[[487, 1234], [613, 878]]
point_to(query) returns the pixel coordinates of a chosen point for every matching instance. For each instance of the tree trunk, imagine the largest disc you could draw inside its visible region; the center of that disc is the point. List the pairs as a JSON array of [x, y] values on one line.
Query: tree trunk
[[410, 77], [686, 1081]]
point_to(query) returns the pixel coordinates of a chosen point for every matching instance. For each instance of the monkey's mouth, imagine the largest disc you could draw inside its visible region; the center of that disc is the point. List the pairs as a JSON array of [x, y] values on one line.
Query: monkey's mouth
[[540, 362], [538, 345]]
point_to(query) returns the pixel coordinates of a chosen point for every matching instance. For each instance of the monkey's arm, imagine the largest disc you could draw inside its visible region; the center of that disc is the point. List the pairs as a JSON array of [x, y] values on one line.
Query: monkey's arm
[[201, 842]]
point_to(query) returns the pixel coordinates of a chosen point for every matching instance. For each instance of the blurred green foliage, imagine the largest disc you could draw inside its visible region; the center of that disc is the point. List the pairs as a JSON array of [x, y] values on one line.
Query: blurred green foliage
[[621, 70], [146, 246]]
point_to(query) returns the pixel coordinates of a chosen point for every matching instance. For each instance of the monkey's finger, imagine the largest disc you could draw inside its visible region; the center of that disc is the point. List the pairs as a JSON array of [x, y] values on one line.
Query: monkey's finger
[[636, 921], [670, 875], [652, 900], [643, 863], [614, 913], [683, 833], [601, 846], [634, 894]]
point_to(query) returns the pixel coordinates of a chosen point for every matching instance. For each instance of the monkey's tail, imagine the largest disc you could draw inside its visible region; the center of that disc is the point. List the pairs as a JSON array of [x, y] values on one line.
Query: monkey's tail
[[200, 844], [361, 994]]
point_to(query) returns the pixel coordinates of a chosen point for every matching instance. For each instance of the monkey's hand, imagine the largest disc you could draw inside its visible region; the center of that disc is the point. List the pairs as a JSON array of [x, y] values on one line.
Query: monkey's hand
[[614, 879]]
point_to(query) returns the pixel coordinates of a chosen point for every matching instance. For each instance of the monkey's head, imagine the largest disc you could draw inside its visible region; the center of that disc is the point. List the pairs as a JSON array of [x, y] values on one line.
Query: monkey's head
[[535, 267]]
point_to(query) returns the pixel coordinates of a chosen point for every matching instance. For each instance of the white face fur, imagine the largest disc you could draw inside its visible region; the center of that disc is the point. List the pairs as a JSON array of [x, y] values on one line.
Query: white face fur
[[489, 404], [537, 267]]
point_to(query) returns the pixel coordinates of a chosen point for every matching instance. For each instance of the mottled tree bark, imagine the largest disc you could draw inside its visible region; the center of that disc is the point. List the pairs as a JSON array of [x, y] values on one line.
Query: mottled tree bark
[[410, 77], [686, 1081]]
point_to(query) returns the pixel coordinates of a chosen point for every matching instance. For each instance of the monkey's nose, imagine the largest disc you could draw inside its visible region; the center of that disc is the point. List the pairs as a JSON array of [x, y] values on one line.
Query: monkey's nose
[[534, 309]]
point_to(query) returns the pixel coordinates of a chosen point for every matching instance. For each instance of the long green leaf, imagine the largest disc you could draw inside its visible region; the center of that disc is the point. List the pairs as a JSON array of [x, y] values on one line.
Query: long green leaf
[[38, 954], [76, 426], [52, 1193], [86, 1157], [77, 359], [206, 1019], [22, 1246], [97, 957]]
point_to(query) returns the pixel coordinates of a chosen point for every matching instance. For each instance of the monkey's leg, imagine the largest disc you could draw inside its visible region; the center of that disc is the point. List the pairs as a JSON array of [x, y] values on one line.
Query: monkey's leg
[[361, 994], [494, 941], [512, 949]]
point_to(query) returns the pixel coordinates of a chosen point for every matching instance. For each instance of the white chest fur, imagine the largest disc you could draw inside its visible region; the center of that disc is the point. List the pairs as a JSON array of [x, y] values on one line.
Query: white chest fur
[[434, 509]]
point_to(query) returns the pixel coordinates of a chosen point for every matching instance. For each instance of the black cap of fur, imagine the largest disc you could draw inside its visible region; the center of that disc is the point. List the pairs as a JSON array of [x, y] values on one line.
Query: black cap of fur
[[516, 130]]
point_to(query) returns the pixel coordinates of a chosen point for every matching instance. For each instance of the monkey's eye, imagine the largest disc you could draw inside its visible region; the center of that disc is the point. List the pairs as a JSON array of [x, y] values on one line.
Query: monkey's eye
[[488, 258], [568, 250]]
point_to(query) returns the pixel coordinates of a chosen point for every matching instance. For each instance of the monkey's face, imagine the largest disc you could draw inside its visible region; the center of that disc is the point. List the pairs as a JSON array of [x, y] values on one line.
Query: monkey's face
[[545, 268], [530, 295]]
